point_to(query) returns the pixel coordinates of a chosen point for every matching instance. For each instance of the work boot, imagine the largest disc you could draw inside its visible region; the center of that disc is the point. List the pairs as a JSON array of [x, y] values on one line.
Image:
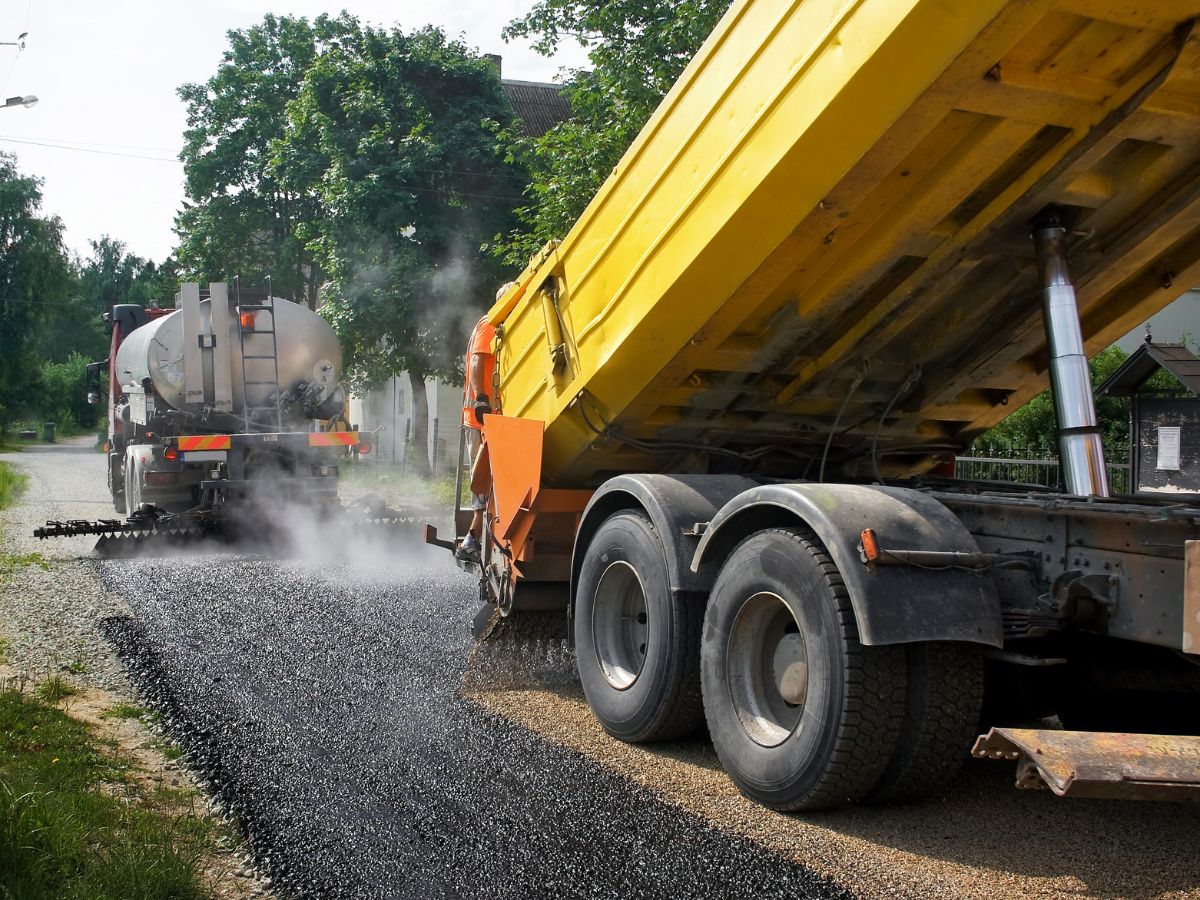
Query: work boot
[[469, 549]]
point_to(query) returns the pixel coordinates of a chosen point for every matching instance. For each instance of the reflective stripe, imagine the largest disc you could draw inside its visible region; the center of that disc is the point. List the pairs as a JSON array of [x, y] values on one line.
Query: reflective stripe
[[333, 439], [204, 442]]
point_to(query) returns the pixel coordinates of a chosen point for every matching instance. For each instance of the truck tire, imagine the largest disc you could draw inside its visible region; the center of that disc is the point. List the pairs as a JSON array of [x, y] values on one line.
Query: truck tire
[[941, 721], [637, 642], [802, 715], [116, 484], [133, 484]]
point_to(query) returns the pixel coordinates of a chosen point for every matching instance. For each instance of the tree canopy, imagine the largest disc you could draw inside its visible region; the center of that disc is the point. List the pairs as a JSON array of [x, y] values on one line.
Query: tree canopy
[[35, 278], [240, 218], [413, 185]]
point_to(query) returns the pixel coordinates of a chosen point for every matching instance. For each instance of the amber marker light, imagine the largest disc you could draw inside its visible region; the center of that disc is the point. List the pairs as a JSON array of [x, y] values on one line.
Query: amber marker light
[[868, 546]]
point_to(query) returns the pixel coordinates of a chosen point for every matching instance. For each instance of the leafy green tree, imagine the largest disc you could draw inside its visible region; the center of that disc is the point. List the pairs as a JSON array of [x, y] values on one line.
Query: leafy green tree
[[110, 275], [60, 394], [35, 277], [637, 49], [402, 128], [242, 210], [1035, 427]]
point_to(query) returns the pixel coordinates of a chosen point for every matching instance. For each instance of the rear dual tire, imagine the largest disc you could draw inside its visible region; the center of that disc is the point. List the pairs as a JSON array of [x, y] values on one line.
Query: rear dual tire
[[637, 641], [801, 713]]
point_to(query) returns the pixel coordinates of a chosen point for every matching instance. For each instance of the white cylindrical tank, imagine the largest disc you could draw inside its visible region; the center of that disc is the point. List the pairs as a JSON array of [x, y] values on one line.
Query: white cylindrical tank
[[306, 348]]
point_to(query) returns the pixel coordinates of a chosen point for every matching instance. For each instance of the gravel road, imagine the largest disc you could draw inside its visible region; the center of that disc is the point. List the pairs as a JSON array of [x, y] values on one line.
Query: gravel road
[[321, 703], [49, 615]]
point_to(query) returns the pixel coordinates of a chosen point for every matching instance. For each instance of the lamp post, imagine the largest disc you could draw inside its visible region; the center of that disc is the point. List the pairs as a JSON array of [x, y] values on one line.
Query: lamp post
[[27, 101]]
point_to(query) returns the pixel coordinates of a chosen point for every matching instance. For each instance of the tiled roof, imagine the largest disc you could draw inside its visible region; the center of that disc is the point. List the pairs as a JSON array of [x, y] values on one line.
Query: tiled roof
[[539, 106], [1147, 360]]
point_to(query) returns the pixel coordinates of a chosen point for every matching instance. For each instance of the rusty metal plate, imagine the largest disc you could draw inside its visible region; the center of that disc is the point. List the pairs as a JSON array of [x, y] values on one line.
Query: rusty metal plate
[[1191, 597], [1099, 764]]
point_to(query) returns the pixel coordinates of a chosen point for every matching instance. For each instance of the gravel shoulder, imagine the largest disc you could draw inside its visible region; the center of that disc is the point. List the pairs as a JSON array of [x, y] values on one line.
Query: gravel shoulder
[[982, 839], [50, 617]]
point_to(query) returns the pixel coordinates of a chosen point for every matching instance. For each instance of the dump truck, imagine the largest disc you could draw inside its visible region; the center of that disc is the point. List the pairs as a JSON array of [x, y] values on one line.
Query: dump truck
[[852, 238], [214, 417]]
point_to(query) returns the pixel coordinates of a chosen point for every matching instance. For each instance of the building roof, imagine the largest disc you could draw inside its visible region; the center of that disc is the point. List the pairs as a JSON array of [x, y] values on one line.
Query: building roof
[[538, 106], [1148, 359]]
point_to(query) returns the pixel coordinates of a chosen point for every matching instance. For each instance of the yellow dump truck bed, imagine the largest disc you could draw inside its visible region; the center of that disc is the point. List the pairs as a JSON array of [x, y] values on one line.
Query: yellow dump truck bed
[[824, 229]]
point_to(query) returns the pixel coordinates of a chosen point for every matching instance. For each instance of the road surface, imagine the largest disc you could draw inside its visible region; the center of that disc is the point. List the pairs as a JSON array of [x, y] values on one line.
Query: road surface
[[321, 700]]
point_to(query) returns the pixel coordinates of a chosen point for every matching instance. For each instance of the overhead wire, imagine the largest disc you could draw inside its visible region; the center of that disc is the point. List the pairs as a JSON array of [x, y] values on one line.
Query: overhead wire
[[8, 140]]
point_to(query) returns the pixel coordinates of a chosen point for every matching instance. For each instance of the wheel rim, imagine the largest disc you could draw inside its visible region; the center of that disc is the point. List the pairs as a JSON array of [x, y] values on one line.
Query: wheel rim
[[619, 626], [767, 669]]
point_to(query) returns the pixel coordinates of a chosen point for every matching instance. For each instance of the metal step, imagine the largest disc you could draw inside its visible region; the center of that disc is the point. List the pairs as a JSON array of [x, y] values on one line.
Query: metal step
[[1098, 764]]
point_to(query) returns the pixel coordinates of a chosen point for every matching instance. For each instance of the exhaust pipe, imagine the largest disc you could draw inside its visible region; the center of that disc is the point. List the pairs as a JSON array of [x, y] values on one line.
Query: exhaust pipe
[[1081, 451]]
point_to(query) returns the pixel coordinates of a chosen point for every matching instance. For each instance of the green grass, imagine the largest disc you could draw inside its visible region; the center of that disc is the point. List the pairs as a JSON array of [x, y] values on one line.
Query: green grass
[[10, 562], [124, 711], [11, 485], [66, 830], [391, 481], [55, 689]]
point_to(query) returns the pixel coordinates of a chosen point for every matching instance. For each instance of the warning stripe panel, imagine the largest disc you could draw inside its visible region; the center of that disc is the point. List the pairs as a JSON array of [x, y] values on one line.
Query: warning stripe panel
[[333, 439], [204, 442]]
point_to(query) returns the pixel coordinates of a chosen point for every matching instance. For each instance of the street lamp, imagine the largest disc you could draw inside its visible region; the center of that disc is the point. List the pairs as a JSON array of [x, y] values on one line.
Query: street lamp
[[27, 101]]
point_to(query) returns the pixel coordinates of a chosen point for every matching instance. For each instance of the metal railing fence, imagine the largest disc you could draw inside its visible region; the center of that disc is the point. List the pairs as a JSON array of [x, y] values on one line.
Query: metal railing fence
[[1033, 465]]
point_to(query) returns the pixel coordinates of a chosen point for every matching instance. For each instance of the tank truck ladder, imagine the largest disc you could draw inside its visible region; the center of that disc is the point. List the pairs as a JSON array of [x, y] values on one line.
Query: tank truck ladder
[[249, 316]]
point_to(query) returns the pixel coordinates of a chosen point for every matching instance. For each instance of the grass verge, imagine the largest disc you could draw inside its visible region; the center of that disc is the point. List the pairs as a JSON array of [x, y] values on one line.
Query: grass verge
[[11, 485], [397, 486], [74, 824]]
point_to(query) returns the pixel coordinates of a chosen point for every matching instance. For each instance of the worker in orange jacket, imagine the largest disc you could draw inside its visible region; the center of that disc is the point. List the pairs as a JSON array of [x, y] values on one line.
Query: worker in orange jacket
[[481, 370]]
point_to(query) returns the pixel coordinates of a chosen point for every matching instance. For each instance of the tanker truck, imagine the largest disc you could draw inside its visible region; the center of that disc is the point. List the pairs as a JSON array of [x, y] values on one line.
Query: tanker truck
[[853, 237], [213, 416]]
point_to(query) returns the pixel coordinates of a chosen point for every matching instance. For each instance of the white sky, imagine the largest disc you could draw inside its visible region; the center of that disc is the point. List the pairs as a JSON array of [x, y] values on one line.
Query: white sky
[[105, 72]]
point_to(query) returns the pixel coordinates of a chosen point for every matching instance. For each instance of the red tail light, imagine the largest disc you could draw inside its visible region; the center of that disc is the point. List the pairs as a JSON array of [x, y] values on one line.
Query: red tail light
[[171, 454], [364, 447], [247, 320]]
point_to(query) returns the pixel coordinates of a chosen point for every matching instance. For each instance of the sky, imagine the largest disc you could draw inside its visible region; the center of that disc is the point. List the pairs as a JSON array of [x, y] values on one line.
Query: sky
[[105, 74]]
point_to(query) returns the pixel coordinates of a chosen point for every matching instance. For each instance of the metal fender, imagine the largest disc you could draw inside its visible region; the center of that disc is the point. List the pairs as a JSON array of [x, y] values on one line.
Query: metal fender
[[675, 504], [892, 604]]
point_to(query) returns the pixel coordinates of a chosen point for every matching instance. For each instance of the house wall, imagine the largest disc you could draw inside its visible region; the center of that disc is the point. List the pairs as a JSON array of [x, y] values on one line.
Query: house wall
[[390, 407]]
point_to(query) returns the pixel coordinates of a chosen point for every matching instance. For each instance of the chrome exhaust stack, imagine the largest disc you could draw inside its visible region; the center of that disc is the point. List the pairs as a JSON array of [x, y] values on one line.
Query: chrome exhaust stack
[[1081, 451]]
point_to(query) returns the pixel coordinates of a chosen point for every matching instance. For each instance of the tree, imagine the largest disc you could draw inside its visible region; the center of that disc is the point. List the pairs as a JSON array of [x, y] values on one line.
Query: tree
[[637, 48], [241, 218], [34, 278], [1035, 427], [111, 275], [402, 129]]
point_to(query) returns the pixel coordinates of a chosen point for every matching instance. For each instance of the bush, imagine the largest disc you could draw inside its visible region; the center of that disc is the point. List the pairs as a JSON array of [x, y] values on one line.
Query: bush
[[61, 395]]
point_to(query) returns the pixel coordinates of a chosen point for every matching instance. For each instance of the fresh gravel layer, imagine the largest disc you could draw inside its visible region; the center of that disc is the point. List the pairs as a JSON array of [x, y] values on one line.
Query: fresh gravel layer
[[320, 705], [981, 838], [49, 616]]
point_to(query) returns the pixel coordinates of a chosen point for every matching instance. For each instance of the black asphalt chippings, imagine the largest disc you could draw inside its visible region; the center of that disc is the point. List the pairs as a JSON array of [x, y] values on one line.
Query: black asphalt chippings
[[319, 704]]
